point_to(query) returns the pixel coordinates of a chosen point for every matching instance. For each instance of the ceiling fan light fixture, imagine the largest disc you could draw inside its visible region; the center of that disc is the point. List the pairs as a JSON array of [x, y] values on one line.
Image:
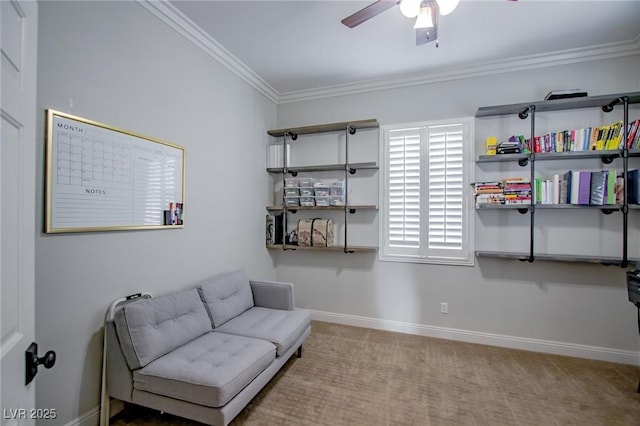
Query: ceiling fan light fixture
[[410, 8], [425, 18], [447, 6]]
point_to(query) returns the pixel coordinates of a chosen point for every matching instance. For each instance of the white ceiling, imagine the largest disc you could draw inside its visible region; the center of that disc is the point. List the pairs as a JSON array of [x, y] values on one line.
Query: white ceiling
[[300, 46]]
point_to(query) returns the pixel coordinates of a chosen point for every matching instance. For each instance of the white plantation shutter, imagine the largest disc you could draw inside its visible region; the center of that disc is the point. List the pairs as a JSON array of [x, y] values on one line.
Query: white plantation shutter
[[426, 193], [404, 188], [445, 187]]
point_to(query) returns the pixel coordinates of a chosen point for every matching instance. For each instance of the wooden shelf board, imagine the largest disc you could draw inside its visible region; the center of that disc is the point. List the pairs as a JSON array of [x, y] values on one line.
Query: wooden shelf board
[[579, 206], [372, 165], [326, 128], [354, 249], [545, 156], [502, 206], [605, 260], [355, 207], [557, 104], [550, 206], [499, 158]]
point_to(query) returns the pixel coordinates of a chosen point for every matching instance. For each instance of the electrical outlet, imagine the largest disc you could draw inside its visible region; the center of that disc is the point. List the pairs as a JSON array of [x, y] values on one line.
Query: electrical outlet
[[444, 308]]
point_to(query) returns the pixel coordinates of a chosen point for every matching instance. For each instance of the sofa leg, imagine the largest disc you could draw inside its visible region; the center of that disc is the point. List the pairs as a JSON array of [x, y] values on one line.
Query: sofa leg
[[300, 351]]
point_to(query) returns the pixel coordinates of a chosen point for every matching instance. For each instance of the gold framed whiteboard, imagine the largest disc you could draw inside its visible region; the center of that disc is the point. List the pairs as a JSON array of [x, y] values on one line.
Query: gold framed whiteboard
[[101, 178]]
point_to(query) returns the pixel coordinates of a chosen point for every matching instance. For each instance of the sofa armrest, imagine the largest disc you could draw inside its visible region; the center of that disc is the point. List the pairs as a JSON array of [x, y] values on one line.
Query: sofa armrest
[[274, 295]]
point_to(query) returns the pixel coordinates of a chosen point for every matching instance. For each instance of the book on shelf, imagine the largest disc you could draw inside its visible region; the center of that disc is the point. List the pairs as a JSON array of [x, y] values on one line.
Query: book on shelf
[[598, 187], [590, 187], [517, 200], [614, 136], [517, 190], [515, 179], [633, 182], [607, 137], [633, 134], [487, 187], [539, 191], [584, 188], [511, 190], [519, 141], [490, 145], [555, 189], [571, 177], [610, 188], [483, 199], [578, 187], [536, 144], [273, 232], [619, 189], [547, 191], [593, 139], [270, 230], [563, 192]]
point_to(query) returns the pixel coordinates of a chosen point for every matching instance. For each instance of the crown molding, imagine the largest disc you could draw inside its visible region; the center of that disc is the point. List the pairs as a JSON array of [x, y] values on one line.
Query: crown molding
[[523, 63], [175, 19], [171, 16]]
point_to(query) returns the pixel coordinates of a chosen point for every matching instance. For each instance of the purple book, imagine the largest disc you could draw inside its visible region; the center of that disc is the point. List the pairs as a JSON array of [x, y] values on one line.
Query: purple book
[[584, 188]]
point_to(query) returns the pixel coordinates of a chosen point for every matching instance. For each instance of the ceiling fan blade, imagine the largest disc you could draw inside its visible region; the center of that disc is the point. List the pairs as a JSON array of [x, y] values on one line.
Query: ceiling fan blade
[[363, 15], [426, 35]]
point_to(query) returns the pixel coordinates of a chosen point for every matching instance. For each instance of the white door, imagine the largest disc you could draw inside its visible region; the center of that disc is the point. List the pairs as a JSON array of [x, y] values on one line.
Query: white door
[[18, 43]]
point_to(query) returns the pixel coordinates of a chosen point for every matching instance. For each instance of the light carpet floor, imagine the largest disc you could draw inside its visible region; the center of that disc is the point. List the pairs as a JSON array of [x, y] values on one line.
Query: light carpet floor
[[358, 376]]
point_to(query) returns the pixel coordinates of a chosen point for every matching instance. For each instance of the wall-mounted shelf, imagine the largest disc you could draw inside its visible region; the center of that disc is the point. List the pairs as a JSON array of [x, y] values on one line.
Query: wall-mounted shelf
[[325, 128], [557, 104], [546, 156], [551, 206], [349, 128], [347, 249], [569, 155], [529, 110], [603, 260], [340, 208], [326, 168]]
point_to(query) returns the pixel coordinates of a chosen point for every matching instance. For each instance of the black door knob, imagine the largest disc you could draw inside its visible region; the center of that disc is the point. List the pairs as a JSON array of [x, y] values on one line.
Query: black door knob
[[32, 361], [48, 360]]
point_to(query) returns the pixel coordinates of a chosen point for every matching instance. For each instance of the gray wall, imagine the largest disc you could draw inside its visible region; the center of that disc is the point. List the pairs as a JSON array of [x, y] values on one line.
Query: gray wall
[[575, 304], [120, 65]]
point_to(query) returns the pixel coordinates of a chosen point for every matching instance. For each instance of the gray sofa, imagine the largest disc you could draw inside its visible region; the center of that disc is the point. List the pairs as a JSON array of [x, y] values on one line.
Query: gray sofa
[[203, 353]]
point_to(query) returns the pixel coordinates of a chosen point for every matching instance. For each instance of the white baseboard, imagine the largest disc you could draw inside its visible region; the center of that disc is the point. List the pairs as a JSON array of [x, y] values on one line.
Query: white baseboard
[[512, 342], [92, 417]]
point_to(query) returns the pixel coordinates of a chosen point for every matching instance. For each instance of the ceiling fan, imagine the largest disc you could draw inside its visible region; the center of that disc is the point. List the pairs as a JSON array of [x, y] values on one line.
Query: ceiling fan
[[426, 12]]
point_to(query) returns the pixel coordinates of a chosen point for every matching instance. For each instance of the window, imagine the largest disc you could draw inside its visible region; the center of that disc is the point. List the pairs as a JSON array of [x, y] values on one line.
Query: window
[[426, 192]]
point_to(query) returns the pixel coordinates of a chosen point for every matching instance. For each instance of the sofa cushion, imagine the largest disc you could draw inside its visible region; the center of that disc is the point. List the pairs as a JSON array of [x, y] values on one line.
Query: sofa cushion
[[282, 328], [151, 328], [208, 371], [226, 296]]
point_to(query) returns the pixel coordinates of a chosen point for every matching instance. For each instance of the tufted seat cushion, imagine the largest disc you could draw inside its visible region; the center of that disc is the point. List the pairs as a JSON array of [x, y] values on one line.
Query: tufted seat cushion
[[282, 328], [150, 328], [208, 371]]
